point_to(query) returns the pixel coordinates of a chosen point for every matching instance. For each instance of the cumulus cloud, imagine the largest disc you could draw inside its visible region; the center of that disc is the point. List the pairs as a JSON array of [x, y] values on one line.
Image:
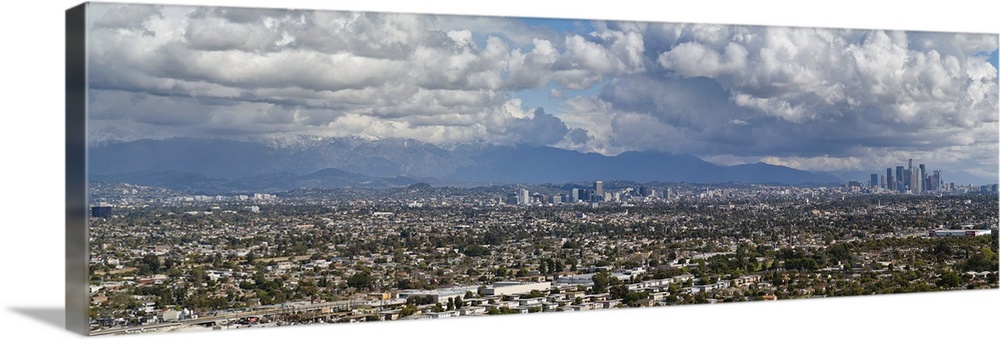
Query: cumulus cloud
[[268, 72], [804, 97]]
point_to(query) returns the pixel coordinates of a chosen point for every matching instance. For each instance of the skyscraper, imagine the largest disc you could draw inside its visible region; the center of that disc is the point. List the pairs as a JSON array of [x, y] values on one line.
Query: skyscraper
[[525, 197], [900, 178], [911, 184], [873, 181], [923, 179], [575, 195], [599, 188], [890, 182]]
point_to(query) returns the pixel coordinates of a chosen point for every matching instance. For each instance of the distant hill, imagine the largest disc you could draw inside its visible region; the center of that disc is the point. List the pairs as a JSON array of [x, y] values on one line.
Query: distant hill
[[272, 164], [191, 182]]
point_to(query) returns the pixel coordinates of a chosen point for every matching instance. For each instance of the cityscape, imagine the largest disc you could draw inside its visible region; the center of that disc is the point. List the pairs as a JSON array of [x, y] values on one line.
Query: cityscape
[[170, 261], [256, 168], [910, 179]]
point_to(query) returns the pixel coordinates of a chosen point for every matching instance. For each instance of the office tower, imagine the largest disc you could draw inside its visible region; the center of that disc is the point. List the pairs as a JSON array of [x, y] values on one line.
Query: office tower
[[910, 183], [512, 199], [642, 191], [937, 180], [881, 181], [918, 182], [575, 195], [599, 188], [890, 181], [873, 181], [899, 178], [101, 211], [923, 178], [889, 184], [525, 197]]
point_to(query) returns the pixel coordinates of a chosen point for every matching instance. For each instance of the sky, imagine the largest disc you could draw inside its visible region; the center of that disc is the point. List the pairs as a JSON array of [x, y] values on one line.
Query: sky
[[812, 99]]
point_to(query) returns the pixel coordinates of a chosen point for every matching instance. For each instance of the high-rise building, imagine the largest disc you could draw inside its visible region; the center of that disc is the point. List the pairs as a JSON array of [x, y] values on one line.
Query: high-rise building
[[911, 184], [890, 184], [513, 199], [917, 179], [923, 178], [873, 181], [525, 197], [900, 179], [100, 211], [938, 183], [599, 188], [575, 195]]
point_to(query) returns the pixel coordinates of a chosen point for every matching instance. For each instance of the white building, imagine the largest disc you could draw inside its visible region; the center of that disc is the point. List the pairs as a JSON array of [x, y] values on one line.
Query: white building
[[515, 288], [950, 233]]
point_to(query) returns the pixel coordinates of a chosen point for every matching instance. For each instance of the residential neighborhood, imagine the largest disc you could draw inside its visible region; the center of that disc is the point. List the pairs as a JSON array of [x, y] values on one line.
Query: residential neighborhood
[[163, 260]]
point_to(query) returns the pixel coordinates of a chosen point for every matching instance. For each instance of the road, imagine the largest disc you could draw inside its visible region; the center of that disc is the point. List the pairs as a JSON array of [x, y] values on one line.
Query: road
[[267, 311]]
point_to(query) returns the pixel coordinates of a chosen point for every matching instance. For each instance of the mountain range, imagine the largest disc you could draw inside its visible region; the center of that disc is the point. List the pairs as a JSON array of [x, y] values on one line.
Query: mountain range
[[223, 165]]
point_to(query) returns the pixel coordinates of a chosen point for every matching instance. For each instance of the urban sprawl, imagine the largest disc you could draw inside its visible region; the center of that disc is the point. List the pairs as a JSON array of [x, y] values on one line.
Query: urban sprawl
[[170, 261]]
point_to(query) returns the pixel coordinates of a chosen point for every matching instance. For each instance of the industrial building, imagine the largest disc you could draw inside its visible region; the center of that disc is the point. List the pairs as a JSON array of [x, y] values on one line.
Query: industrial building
[[960, 232], [514, 288], [439, 295]]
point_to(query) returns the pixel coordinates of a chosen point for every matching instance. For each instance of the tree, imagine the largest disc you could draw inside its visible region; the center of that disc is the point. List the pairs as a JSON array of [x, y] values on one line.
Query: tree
[[360, 280], [475, 250], [149, 264], [618, 291], [250, 258], [534, 293], [602, 280], [949, 279], [408, 310]]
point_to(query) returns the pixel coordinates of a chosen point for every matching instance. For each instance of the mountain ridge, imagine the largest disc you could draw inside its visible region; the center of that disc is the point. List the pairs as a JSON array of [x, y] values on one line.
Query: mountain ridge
[[398, 161]]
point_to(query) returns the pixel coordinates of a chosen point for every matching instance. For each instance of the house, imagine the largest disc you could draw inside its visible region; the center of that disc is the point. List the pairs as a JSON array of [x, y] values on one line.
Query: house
[[443, 315], [530, 301], [472, 310]]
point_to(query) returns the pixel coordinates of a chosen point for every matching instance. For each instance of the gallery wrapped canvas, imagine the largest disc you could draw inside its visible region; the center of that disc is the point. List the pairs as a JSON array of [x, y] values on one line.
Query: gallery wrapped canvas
[[232, 167]]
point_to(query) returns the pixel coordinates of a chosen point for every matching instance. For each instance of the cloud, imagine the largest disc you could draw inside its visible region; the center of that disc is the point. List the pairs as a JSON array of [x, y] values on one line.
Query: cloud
[[272, 72], [805, 96]]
